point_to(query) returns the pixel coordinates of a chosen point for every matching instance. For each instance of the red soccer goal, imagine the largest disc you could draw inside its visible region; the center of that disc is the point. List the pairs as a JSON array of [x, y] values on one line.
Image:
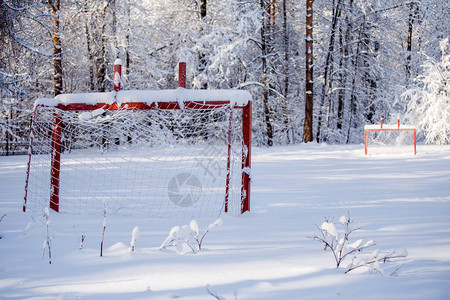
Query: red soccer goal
[[389, 128], [167, 152]]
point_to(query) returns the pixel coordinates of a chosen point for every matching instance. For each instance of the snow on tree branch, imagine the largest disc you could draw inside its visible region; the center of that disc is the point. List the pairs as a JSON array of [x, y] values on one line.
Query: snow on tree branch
[[429, 101]]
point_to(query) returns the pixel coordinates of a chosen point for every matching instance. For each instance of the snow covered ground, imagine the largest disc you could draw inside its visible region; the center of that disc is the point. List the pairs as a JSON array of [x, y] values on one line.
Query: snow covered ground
[[401, 201]]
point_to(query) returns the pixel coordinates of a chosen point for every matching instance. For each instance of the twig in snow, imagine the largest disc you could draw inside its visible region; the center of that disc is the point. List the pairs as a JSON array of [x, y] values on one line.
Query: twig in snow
[[80, 240], [213, 293], [134, 237], [104, 227], [374, 261], [48, 241]]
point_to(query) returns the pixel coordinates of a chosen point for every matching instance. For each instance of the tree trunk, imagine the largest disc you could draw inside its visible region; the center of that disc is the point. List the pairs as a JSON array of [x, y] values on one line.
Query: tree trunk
[[413, 13], [265, 50], [127, 39], [202, 9], [202, 62], [342, 78], [90, 58], [101, 58], [112, 5], [353, 103], [57, 59], [369, 81], [286, 73], [89, 48], [309, 90], [328, 66]]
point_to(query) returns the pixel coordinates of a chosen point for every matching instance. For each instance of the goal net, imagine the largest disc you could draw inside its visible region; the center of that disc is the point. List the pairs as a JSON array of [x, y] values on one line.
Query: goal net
[[165, 159]]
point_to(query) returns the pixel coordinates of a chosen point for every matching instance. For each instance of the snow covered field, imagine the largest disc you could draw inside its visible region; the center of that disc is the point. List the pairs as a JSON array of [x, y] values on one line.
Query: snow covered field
[[401, 201]]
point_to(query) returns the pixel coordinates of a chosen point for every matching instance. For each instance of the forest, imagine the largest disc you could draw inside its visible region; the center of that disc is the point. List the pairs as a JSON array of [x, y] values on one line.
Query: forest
[[318, 71]]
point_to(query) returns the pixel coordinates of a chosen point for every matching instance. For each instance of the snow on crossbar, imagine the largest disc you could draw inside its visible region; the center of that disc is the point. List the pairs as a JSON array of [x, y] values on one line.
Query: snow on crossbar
[[237, 98], [387, 127]]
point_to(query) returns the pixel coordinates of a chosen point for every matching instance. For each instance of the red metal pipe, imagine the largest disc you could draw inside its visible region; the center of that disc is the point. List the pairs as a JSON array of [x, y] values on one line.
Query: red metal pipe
[[230, 138], [56, 161], [117, 75], [246, 156], [182, 75]]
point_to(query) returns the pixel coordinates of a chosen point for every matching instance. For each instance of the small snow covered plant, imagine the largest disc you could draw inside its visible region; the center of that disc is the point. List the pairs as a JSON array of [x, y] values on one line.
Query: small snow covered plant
[[80, 239], [48, 242], [338, 242], [104, 227], [194, 227], [187, 236], [134, 237]]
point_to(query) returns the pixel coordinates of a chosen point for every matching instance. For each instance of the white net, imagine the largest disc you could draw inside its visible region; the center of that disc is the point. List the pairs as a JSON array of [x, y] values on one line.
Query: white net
[[165, 163], [392, 142]]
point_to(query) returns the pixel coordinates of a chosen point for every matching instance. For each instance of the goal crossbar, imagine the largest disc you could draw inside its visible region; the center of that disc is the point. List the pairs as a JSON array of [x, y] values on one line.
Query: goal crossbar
[[179, 99]]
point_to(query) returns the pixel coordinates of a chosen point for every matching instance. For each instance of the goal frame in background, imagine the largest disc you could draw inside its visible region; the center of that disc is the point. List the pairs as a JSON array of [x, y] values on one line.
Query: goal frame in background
[[154, 104], [381, 127]]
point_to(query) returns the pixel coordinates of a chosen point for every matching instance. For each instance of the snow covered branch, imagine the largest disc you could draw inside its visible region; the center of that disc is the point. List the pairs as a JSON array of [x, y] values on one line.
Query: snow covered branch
[[1, 218], [373, 263], [338, 242], [187, 238], [213, 293]]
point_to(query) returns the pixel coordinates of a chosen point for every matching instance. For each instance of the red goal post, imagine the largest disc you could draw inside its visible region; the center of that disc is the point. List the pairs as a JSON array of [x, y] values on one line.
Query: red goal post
[[385, 127]]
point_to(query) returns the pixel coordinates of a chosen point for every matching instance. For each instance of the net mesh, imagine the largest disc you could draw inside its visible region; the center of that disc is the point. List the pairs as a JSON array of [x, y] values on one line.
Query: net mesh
[[165, 163], [399, 142]]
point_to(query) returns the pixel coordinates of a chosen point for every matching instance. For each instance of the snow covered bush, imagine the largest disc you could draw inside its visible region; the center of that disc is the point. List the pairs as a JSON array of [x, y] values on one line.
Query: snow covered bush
[[134, 237], [187, 237], [338, 242], [429, 103]]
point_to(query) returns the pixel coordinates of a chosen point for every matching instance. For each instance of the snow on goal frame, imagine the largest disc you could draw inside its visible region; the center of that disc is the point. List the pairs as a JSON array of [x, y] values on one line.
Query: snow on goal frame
[[166, 153], [385, 127]]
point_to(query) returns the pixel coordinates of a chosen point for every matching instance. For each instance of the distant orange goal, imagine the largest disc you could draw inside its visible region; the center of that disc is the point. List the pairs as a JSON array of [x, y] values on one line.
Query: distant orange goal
[[384, 127]]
